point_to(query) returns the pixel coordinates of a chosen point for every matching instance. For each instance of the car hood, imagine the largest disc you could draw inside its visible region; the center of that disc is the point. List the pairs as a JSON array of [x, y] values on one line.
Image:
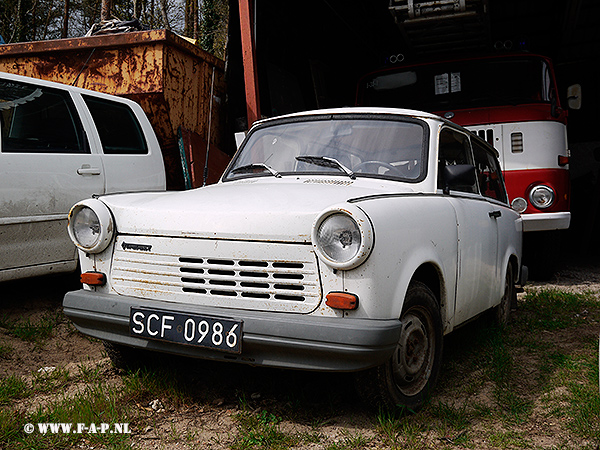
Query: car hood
[[264, 210]]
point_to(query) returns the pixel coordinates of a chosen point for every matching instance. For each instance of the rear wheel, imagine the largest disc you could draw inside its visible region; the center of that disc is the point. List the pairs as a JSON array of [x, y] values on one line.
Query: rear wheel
[[406, 380], [509, 299]]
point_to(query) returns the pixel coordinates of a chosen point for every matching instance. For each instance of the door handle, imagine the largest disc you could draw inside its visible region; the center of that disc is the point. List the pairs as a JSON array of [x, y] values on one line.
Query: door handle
[[86, 169], [495, 214]]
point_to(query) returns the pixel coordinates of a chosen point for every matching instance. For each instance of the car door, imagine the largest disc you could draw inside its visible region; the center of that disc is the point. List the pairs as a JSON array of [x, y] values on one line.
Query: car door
[[491, 186], [46, 166], [131, 154], [477, 230]]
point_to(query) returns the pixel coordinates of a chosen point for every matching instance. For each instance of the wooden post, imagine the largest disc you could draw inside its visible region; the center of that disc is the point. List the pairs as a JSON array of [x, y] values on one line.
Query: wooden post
[[249, 61]]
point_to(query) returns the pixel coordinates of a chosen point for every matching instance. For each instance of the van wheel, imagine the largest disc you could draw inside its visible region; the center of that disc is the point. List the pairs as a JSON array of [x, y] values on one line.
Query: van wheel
[[406, 380], [509, 299]]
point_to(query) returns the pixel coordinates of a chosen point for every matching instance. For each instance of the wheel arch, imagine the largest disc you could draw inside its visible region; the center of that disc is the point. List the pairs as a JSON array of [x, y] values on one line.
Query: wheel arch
[[431, 275]]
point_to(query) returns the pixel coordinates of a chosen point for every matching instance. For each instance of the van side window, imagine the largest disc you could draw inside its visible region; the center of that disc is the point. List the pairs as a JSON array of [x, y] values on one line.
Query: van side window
[[120, 132], [454, 149], [489, 175], [37, 119]]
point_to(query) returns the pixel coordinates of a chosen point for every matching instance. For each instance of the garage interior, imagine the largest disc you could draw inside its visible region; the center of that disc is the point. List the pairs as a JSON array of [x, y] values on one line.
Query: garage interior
[[310, 55]]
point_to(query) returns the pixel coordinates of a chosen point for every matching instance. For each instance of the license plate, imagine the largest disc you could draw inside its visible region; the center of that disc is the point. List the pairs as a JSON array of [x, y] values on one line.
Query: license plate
[[190, 329]]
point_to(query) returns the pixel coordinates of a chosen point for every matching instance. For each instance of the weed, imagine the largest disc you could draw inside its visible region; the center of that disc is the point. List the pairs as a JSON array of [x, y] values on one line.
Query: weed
[[12, 387], [350, 442], [5, 351], [144, 385], [551, 309], [398, 428], [261, 431], [47, 381], [90, 373], [28, 330], [509, 439]]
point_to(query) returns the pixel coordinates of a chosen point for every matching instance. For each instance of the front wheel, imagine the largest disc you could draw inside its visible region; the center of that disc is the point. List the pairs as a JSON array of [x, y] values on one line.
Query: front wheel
[[406, 380]]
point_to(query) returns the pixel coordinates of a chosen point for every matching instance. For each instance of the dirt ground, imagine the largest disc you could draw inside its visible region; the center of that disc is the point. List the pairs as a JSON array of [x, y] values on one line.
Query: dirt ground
[[208, 420]]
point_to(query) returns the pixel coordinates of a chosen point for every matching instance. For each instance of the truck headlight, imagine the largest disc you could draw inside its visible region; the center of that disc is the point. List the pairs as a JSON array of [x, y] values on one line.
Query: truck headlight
[[91, 225], [542, 196], [343, 238]]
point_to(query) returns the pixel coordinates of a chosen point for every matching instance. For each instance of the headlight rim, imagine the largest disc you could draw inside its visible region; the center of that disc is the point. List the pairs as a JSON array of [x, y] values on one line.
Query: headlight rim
[[105, 220], [516, 201], [535, 203], [364, 227]]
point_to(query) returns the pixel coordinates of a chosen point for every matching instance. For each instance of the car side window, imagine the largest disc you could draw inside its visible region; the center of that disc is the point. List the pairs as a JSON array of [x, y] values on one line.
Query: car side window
[[120, 132], [37, 119], [454, 149], [489, 175]]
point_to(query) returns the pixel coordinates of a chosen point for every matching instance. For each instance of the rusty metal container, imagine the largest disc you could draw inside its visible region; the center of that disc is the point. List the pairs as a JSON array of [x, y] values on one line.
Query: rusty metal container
[[180, 87]]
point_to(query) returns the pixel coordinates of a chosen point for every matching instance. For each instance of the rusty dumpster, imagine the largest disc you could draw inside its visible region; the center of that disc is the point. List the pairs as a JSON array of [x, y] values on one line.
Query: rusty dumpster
[[180, 87]]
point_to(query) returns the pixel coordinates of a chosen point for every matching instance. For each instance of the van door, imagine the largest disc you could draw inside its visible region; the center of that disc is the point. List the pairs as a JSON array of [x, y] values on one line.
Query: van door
[[46, 166], [131, 153]]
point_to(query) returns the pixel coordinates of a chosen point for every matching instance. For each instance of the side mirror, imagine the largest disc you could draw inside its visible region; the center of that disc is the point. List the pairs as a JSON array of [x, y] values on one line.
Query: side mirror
[[574, 96], [459, 175]]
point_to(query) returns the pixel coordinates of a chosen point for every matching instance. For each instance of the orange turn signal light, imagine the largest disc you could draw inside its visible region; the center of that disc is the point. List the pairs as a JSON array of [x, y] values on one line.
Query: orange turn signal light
[[93, 278], [342, 300]]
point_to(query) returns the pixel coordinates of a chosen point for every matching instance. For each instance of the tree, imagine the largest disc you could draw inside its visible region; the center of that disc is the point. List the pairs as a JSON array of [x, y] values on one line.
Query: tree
[[33, 20]]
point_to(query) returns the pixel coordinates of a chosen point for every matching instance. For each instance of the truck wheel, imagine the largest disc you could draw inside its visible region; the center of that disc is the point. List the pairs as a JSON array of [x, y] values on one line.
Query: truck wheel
[[406, 380], [502, 311]]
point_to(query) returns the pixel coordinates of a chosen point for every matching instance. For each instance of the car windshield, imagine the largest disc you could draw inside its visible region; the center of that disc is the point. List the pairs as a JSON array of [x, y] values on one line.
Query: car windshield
[[461, 84], [348, 147]]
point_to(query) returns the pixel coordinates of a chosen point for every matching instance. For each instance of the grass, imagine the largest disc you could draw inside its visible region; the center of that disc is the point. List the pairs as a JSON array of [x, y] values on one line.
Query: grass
[[495, 383], [12, 387], [261, 431], [28, 330]]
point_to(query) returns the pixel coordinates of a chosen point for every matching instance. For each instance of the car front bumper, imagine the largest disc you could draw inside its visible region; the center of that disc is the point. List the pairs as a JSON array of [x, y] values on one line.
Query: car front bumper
[[285, 340]]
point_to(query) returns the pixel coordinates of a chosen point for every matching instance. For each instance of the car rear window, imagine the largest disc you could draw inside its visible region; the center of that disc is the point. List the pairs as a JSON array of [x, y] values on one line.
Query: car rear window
[[118, 127]]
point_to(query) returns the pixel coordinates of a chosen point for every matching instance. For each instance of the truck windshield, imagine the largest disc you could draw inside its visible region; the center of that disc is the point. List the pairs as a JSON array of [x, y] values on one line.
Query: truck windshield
[[460, 84], [348, 147]]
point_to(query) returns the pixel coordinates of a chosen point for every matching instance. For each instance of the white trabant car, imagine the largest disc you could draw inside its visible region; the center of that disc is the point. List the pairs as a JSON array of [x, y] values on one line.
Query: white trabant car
[[337, 240], [60, 144]]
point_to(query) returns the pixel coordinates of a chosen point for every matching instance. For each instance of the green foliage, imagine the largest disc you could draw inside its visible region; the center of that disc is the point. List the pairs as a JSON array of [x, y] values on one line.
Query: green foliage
[[12, 387], [551, 309], [261, 431], [30, 331]]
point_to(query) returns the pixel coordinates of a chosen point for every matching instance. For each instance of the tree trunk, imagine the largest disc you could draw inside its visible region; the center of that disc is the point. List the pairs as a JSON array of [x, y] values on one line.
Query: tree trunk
[[106, 10], [163, 12], [65, 27]]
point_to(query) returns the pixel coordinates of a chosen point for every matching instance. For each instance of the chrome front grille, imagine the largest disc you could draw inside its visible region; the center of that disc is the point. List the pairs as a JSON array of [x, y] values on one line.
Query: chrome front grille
[[269, 276]]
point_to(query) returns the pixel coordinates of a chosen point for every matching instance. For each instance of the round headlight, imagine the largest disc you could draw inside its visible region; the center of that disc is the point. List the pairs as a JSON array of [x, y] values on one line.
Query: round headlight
[[519, 204], [339, 238], [343, 239], [542, 196], [90, 226]]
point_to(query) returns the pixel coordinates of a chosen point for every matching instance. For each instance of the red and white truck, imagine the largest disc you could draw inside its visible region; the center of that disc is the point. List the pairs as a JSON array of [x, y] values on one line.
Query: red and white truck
[[512, 101]]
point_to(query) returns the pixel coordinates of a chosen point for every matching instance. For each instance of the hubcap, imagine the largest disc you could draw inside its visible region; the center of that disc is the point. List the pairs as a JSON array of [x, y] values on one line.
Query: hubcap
[[414, 355]]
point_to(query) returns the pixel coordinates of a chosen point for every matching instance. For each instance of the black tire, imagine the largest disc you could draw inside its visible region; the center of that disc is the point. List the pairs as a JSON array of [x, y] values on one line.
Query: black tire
[[509, 299], [406, 380]]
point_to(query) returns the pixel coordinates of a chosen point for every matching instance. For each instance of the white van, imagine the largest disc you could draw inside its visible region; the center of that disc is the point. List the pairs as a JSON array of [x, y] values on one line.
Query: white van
[[58, 145]]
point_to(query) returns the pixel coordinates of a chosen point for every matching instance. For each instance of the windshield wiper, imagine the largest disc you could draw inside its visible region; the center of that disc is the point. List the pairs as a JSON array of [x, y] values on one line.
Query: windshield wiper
[[326, 161], [250, 168]]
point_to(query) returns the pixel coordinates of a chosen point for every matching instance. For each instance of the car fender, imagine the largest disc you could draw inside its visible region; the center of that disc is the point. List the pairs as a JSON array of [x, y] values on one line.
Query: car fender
[[411, 232]]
